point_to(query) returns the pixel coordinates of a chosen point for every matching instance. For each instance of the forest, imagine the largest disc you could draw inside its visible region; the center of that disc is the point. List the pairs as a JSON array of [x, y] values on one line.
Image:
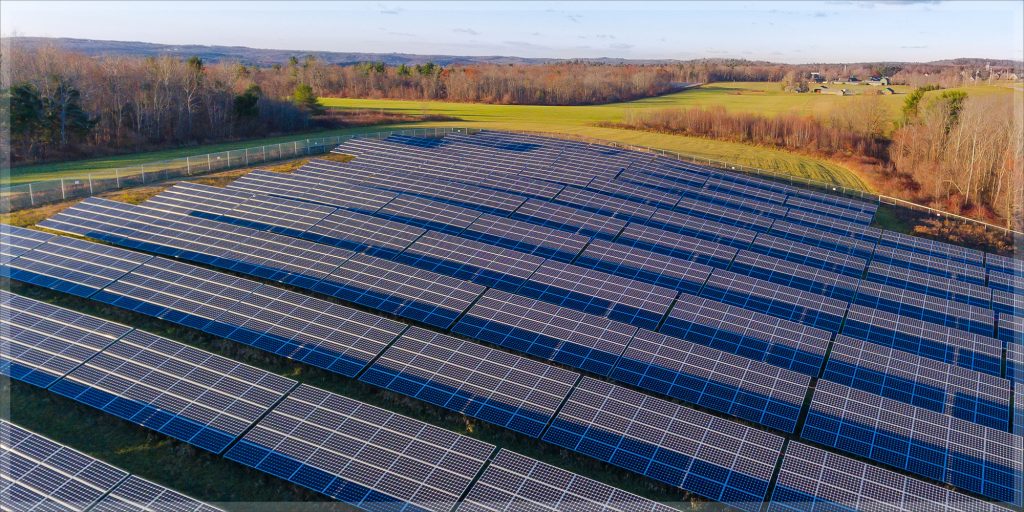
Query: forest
[[959, 153]]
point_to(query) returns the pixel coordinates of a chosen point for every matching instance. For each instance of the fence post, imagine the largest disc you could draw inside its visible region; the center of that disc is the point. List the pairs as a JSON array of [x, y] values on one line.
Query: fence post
[[31, 195], [188, 166], [143, 173], [90, 184], [117, 178], [209, 165], [63, 195], [247, 157]]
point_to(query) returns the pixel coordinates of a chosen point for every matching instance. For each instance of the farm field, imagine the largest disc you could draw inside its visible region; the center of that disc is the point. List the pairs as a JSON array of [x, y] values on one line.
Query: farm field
[[756, 97]]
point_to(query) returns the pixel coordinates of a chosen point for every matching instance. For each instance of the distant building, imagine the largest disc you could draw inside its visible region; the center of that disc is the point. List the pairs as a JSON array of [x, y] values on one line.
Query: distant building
[[879, 80], [834, 92], [817, 78], [886, 91], [852, 80]]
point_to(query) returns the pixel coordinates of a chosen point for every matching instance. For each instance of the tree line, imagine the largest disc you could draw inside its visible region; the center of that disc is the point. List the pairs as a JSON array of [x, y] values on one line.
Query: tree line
[[960, 153]]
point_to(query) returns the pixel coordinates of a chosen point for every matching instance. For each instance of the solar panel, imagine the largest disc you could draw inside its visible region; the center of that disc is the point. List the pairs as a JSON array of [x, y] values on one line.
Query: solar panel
[[17, 241], [815, 480], [718, 234], [1011, 328], [42, 342], [1015, 372], [428, 214], [969, 395], [857, 205], [930, 265], [775, 300], [644, 266], [569, 219], [401, 290], [795, 275], [828, 224], [825, 239], [926, 308], [361, 455], [952, 346], [647, 177], [929, 284], [74, 266], [307, 329], [177, 292], [546, 331], [713, 379], [1006, 282], [747, 333], [1006, 303], [598, 293], [1013, 265], [521, 236], [956, 253], [589, 201], [240, 249], [478, 262], [739, 204], [631, 192], [301, 188], [197, 200], [363, 233], [676, 245], [195, 396], [136, 494], [833, 212], [967, 456], [517, 482], [745, 190], [808, 255], [40, 474], [494, 386], [724, 214], [713, 457]]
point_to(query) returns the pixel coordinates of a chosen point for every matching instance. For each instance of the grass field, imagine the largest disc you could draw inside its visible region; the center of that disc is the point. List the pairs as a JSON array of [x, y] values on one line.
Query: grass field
[[758, 97]]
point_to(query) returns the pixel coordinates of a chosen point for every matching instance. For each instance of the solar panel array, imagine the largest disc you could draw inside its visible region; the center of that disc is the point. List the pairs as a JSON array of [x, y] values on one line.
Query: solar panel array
[[42, 342], [934, 445], [137, 494], [728, 292], [713, 457], [360, 454], [195, 396]]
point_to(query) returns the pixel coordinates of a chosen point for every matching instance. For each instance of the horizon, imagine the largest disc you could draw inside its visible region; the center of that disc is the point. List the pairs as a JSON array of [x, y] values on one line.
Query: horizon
[[798, 32]]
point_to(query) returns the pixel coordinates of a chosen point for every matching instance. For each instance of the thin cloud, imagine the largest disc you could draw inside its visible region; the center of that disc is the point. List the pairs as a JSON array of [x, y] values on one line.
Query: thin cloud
[[389, 10], [466, 31], [621, 46]]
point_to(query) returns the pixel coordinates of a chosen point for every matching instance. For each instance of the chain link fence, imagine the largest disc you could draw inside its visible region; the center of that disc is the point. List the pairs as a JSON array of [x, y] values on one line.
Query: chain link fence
[[28, 195]]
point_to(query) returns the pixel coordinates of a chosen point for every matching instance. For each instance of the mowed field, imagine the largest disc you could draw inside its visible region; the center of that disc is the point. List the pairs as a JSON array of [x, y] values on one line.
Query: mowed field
[[755, 97]]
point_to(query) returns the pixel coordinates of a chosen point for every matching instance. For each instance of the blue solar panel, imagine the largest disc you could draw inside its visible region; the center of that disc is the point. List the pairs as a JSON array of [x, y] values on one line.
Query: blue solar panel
[[1013, 265], [952, 346], [569, 219], [43, 342], [955, 253], [722, 214], [644, 266], [822, 223], [808, 255], [599, 293], [462, 258], [717, 380], [829, 211], [427, 214], [525, 237], [829, 240], [494, 386], [930, 265], [1007, 303], [926, 308], [312, 190], [363, 233], [546, 331], [1006, 282], [815, 480], [74, 266], [969, 395], [195, 396], [775, 300], [753, 335], [795, 275], [409, 292], [637, 193], [713, 457], [589, 201], [17, 241], [971, 457], [714, 241], [1011, 328], [929, 284], [675, 245], [368, 457]]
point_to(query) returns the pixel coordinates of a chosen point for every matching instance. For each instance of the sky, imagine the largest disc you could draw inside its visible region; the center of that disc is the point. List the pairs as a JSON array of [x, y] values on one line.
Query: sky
[[791, 32]]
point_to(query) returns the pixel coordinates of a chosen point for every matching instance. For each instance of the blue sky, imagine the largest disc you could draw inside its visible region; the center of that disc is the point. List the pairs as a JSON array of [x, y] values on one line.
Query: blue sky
[[795, 32]]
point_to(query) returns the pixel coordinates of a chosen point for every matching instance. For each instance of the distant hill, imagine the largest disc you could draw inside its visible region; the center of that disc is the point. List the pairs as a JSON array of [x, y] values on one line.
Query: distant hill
[[268, 57]]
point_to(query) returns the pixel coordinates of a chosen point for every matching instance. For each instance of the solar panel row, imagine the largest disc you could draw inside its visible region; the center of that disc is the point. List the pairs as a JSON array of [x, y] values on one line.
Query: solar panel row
[[41, 474]]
